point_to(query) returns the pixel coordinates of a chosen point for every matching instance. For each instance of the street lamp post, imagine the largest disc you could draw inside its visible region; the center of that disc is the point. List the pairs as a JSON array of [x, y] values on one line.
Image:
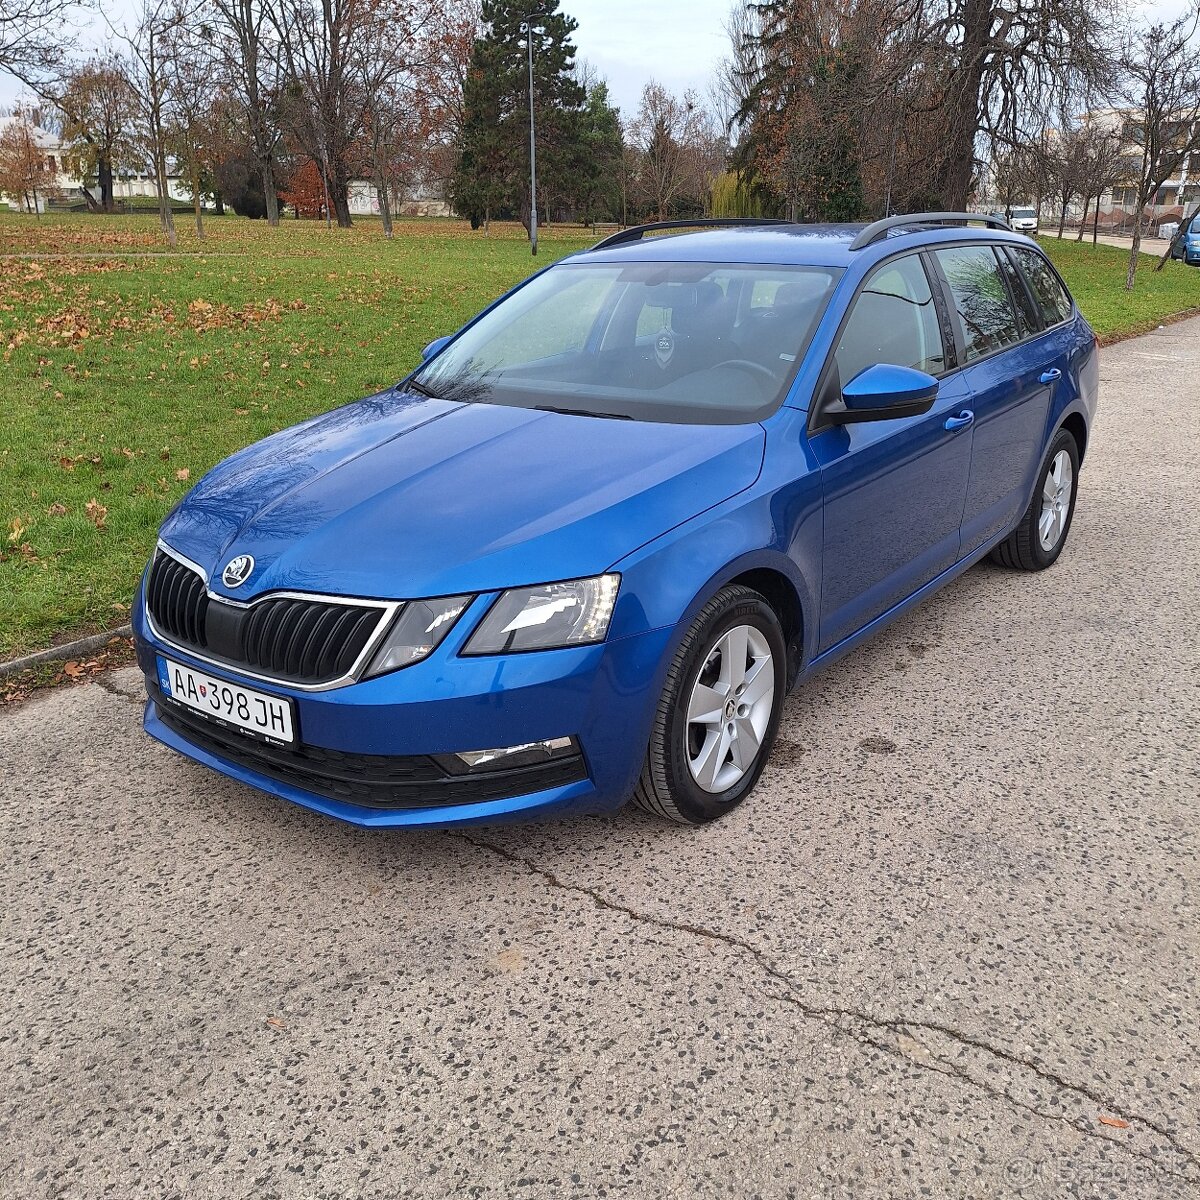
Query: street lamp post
[[532, 146]]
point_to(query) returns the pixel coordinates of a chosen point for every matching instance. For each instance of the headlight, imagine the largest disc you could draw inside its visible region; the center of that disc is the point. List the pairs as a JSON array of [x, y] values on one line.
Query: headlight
[[416, 633], [548, 617]]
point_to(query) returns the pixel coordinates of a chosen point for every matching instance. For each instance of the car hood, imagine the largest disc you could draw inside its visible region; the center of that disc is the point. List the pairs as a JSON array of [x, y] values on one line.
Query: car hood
[[400, 496]]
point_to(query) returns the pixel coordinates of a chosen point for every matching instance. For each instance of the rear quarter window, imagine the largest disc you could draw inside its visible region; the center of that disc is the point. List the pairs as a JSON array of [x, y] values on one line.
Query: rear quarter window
[[1051, 296]]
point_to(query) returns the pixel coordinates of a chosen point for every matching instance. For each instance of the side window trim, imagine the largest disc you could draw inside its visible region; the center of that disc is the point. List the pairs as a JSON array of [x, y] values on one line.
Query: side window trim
[[952, 343], [821, 397], [1013, 276]]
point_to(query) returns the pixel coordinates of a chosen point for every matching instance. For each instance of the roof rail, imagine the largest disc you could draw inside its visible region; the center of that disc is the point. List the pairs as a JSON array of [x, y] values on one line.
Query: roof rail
[[635, 233], [880, 229]]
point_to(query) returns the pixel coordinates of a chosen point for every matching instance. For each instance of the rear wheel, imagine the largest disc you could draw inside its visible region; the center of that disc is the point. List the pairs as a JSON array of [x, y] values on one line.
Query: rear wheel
[[719, 711], [1038, 540]]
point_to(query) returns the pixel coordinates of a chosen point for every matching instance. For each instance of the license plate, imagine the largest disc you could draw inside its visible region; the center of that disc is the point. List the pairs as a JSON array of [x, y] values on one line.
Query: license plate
[[230, 704]]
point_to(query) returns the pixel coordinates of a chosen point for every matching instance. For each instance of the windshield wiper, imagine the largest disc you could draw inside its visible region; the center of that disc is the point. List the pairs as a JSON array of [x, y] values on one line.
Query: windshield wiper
[[583, 412], [413, 386]]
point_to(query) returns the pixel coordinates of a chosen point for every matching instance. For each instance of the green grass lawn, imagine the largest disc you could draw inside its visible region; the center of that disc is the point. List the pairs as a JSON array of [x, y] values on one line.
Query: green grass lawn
[[125, 377]]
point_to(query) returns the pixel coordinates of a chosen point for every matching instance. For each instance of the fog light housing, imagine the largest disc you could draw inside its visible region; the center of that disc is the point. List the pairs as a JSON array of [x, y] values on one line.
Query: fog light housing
[[503, 758]]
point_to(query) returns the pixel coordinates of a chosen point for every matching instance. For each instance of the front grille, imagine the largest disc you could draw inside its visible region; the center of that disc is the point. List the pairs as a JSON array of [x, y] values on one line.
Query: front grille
[[306, 639], [178, 601], [367, 780], [289, 639]]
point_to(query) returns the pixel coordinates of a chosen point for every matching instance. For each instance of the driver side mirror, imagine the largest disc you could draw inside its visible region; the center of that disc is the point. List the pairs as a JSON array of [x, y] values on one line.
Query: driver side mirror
[[885, 392], [434, 347]]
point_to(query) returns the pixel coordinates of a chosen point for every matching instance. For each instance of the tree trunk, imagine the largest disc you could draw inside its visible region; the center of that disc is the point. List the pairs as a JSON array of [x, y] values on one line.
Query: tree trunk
[[219, 204], [104, 176], [977, 25], [381, 187], [196, 201], [1131, 274], [267, 173], [166, 217], [339, 189], [1062, 219], [1181, 232], [1087, 202], [1096, 222], [385, 207]]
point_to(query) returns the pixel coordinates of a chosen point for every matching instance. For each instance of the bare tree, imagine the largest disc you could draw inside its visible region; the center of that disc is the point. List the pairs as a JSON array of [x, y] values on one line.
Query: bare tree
[[1100, 166], [325, 107], [98, 109], [149, 75], [244, 38], [1161, 85], [393, 46], [678, 149], [190, 70], [35, 36], [1062, 168], [735, 74], [1016, 175], [1008, 58], [25, 169]]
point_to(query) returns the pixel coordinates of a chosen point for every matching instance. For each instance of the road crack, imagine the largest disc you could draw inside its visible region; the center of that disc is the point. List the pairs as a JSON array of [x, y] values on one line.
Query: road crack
[[884, 1032], [107, 685]]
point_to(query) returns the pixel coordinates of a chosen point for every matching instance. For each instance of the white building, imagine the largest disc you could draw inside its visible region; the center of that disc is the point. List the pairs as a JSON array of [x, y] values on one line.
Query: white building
[[69, 189], [1118, 204]]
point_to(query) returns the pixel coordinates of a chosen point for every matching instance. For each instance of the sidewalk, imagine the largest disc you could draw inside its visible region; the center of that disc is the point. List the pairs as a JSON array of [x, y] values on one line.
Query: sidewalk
[[1150, 245]]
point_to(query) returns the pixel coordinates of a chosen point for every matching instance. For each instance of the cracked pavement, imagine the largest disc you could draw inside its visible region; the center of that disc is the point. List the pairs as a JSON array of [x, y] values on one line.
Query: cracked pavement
[[954, 928]]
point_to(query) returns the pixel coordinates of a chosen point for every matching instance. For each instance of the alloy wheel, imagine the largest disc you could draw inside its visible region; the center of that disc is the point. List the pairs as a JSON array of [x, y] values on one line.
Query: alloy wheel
[[730, 708], [1056, 501]]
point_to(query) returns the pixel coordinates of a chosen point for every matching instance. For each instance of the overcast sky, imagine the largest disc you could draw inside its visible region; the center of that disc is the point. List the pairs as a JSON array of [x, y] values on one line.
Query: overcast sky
[[627, 41]]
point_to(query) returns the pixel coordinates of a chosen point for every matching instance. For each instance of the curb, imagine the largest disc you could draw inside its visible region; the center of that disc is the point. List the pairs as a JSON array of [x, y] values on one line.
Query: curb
[[97, 641]]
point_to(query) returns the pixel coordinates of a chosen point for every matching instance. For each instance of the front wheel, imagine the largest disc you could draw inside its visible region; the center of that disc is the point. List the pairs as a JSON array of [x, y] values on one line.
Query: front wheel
[[719, 711], [1038, 540]]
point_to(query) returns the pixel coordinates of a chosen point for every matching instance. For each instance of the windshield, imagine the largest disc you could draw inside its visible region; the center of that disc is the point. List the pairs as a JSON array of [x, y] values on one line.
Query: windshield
[[1023, 214], [681, 342]]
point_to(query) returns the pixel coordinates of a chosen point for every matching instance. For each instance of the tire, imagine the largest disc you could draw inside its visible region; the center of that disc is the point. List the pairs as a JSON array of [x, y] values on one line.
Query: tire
[[1026, 549], [676, 762]]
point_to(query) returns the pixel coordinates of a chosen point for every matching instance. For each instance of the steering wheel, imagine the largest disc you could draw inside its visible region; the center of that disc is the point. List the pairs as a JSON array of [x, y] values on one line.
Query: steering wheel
[[754, 368]]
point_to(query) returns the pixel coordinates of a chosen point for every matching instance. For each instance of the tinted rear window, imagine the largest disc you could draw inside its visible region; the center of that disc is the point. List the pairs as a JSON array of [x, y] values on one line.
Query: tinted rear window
[[982, 306], [1051, 296]]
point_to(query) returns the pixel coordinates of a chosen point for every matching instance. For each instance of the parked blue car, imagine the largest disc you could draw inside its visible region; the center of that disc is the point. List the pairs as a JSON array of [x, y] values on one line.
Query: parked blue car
[[1187, 248], [584, 551]]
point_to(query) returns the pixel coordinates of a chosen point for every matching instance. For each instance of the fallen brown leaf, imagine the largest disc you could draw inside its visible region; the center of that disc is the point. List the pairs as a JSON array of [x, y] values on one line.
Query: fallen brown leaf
[[72, 670], [57, 510], [1115, 1122], [182, 474], [96, 512], [276, 1023]]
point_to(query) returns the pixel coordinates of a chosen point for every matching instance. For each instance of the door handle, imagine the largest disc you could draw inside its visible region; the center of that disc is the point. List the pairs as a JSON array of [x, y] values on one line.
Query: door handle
[[964, 418], [1051, 375]]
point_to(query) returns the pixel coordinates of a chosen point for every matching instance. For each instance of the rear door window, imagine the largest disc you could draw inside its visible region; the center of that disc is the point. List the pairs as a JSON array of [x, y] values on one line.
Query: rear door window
[[980, 299], [1051, 296]]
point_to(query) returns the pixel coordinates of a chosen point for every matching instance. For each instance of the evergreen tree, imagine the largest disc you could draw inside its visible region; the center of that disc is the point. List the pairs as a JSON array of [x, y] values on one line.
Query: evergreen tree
[[492, 171], [600, 149]]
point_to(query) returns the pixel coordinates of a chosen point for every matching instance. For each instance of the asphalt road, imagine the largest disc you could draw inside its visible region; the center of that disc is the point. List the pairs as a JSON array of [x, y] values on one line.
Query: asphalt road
[[950, 945]]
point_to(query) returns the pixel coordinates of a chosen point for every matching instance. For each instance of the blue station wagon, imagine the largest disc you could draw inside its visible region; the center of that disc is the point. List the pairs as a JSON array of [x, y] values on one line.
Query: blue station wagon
[[582, 553]]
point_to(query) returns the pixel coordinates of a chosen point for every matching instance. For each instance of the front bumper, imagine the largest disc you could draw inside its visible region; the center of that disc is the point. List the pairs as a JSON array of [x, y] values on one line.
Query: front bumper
[[350, 738]]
